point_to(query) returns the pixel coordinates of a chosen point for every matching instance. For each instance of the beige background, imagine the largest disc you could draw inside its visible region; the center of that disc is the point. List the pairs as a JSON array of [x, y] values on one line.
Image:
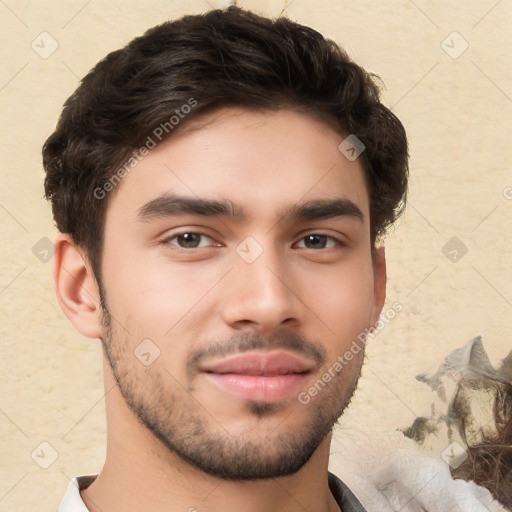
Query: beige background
[[458, 114]]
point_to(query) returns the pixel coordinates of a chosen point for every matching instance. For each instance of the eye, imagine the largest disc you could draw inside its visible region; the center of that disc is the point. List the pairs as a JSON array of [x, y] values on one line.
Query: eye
[[189, 240], [318, 241]]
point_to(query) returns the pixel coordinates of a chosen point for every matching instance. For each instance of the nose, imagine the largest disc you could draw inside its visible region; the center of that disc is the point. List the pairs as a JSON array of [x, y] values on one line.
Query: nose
[[262, 295]]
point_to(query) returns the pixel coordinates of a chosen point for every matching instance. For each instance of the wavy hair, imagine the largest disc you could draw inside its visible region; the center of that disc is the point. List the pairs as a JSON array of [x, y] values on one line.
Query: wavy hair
[[223, 58]]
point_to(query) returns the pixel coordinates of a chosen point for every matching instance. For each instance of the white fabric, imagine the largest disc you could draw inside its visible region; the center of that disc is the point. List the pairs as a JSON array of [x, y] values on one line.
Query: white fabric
[[389, 472], [72, 501], [420, 483]]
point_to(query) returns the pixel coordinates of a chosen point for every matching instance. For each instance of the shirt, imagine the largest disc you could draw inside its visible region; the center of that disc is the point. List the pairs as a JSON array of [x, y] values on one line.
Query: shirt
[[72, 501]]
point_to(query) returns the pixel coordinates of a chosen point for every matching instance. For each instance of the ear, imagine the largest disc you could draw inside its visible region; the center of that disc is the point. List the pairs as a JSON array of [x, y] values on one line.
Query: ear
[[379, 284], [76, 287]]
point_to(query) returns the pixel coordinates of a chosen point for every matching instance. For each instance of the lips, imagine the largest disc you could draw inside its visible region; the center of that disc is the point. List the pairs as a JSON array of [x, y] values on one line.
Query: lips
[[259, 376], [277, 362]]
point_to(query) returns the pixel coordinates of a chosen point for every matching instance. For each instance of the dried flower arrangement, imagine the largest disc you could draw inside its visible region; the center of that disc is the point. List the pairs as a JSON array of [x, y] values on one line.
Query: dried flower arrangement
[[473, 410]]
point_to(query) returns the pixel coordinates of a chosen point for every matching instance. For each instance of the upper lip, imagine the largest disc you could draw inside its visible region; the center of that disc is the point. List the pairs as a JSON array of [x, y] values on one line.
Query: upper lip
[[276, 362]]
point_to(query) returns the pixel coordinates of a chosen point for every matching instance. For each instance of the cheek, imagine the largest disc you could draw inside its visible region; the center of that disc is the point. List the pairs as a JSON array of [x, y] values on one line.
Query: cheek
[[346, 287], [343, 302], [154, 298]]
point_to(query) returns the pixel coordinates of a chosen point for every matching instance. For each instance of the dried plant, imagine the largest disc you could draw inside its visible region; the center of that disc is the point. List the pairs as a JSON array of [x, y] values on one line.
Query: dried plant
[[474, 405]]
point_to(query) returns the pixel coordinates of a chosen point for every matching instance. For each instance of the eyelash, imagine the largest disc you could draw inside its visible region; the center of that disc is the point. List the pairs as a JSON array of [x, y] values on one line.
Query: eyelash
[[167, 241]]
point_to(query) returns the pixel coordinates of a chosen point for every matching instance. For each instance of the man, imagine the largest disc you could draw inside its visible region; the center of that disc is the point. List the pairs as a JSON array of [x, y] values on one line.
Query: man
[[221, 185]]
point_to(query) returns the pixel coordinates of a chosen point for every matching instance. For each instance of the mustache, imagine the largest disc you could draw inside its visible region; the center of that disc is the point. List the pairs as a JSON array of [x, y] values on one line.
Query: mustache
[[245, 342]]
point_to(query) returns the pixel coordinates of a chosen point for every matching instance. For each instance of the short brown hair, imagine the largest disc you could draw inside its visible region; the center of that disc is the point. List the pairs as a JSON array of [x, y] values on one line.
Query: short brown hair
[[228, 57]]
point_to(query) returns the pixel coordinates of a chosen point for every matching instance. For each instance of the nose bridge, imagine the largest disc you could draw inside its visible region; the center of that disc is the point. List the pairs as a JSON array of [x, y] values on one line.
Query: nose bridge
[[259, 293]]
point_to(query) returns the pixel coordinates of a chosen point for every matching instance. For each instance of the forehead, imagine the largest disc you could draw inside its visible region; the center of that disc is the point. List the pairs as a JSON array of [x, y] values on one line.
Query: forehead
[[259, 160]]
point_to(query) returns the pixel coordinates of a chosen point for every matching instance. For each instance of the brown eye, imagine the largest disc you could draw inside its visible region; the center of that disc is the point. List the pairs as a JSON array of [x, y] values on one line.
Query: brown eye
[[188, 240], [316, 241]]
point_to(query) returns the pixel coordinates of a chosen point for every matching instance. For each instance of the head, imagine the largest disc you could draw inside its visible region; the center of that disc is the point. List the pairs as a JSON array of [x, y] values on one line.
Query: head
[[209, 219]]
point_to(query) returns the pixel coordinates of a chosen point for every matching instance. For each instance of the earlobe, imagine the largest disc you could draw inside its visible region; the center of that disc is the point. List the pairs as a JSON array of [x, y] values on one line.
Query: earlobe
[[379, 287], [76, 287]]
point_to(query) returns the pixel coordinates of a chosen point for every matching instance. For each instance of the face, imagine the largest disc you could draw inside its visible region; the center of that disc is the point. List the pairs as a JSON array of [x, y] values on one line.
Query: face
[[237, 268]]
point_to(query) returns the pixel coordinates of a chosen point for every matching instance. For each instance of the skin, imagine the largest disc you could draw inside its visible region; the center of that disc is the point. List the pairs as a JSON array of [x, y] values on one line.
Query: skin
[[320, 295]]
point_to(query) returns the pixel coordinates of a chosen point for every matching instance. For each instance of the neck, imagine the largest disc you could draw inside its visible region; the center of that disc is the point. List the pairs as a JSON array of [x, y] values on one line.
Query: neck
[[140, 474]]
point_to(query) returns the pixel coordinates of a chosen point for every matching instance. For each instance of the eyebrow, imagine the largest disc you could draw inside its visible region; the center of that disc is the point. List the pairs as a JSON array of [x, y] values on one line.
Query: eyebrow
[[171, 204]]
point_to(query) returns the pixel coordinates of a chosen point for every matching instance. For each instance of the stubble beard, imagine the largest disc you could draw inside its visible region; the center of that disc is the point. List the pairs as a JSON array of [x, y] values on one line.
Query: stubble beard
[[191, 432]]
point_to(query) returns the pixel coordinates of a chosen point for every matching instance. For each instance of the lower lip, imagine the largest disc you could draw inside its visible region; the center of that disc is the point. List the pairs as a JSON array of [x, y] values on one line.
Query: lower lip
[[258, 388]]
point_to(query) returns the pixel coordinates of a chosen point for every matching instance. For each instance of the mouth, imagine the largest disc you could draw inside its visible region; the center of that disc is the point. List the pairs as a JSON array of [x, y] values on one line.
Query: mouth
[[259, 376]]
